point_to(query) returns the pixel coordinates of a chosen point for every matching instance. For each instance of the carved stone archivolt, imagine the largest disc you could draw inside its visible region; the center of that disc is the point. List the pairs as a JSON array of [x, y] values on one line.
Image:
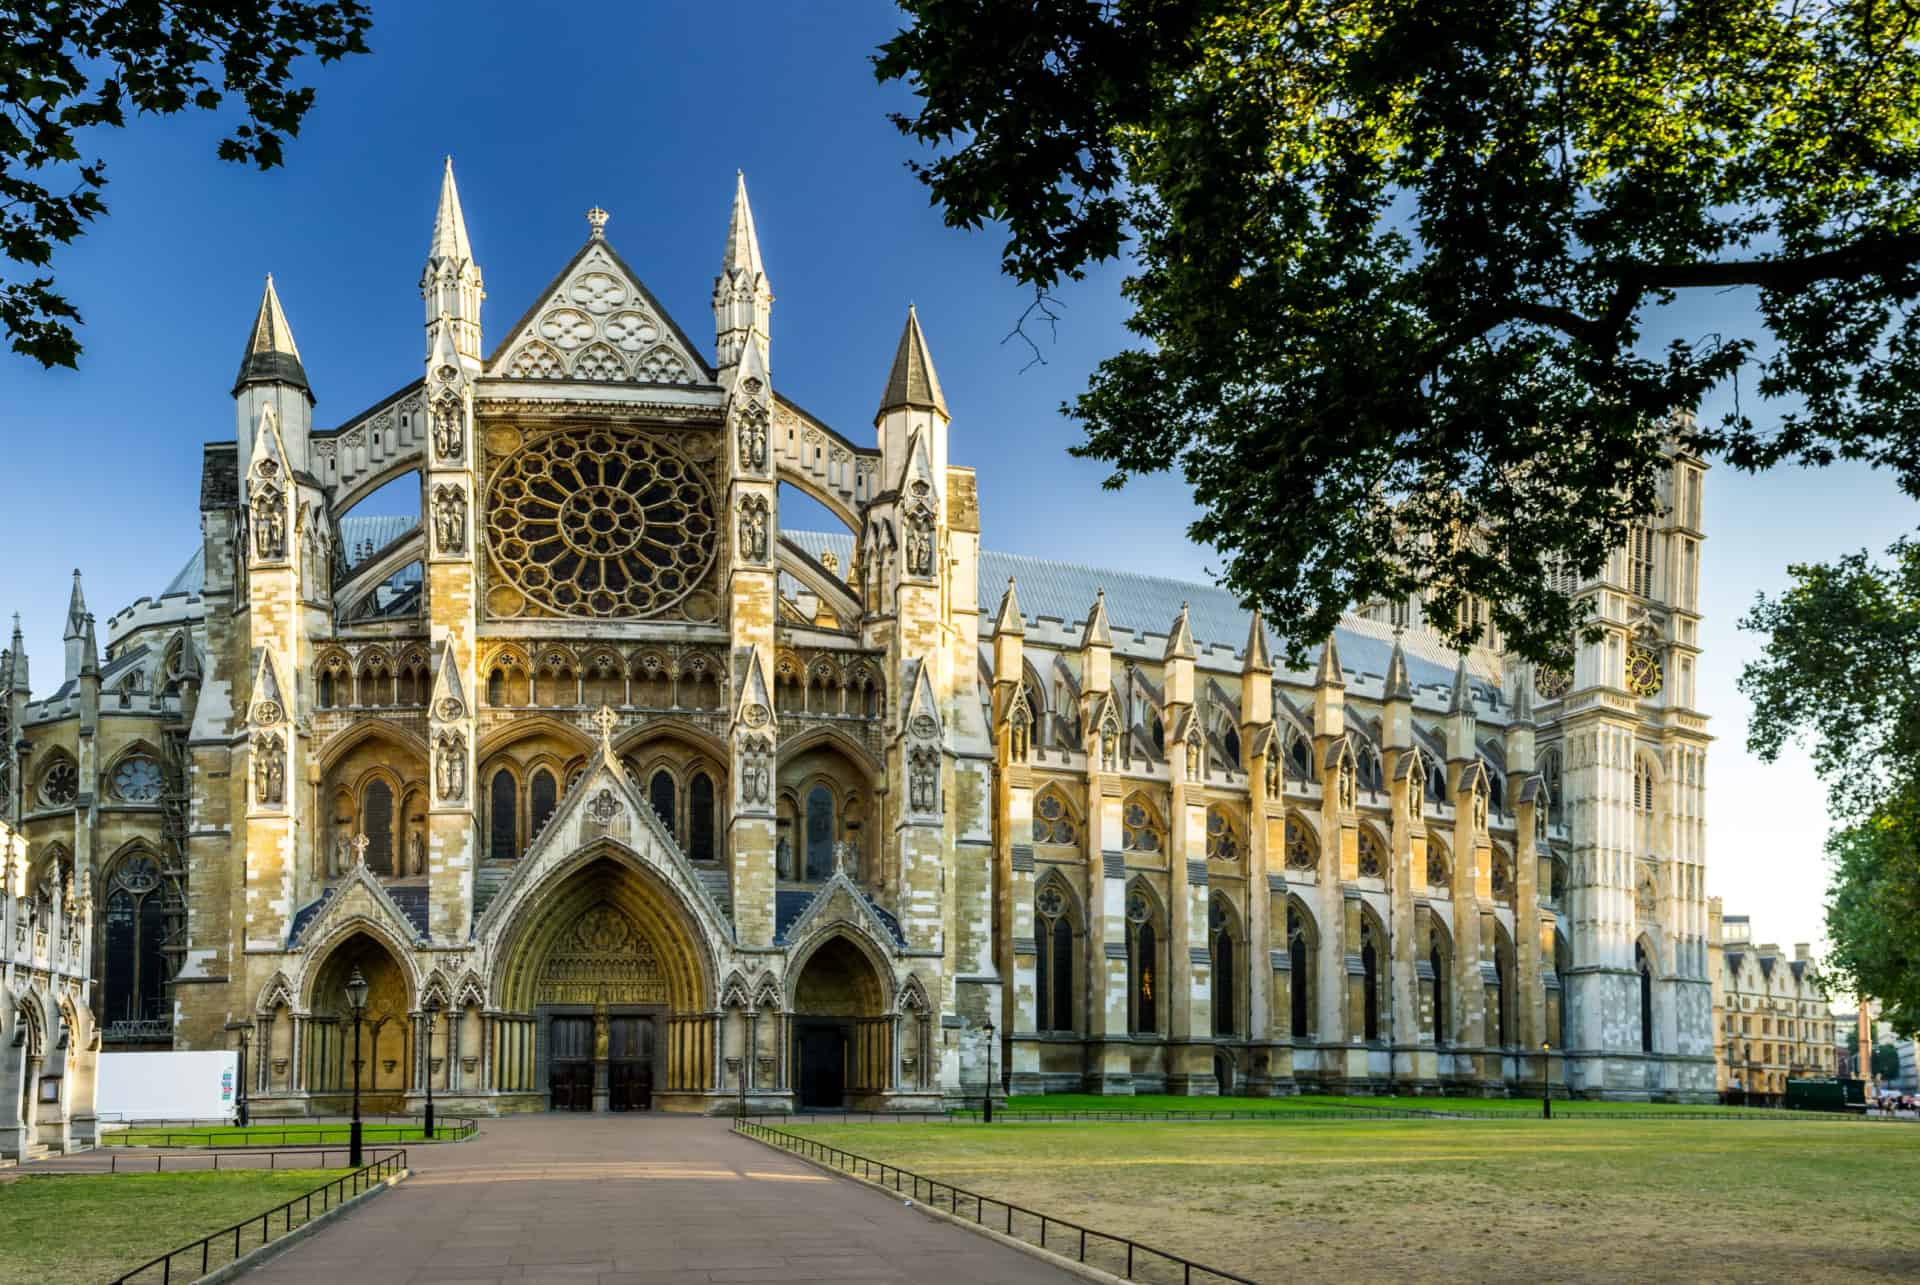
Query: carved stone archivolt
[[600, 524]]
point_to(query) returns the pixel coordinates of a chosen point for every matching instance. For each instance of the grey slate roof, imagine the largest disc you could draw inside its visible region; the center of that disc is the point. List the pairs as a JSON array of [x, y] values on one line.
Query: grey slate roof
[[1143, 604], [382, 530]]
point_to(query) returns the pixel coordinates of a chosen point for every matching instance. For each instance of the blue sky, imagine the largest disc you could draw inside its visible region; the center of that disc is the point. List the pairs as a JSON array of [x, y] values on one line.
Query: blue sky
[[648, 110]]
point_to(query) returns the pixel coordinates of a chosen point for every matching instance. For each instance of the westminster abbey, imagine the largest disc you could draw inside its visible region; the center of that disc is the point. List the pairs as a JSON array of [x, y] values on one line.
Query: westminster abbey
[[622, 795]]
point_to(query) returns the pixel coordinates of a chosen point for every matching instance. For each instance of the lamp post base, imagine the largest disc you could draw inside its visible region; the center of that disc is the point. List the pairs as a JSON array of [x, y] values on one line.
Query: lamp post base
[[429, 1121], [353, 1146]]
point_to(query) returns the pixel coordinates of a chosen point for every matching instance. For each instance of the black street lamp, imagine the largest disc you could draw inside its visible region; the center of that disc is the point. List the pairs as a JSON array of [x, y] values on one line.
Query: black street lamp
[[243, 1030], [357, 1002], [433, 1013], [1546, 1081], [989, 1028]]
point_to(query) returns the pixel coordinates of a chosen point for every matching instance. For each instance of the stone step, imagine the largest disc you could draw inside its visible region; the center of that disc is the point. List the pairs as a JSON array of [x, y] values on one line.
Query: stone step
[[719, 885]]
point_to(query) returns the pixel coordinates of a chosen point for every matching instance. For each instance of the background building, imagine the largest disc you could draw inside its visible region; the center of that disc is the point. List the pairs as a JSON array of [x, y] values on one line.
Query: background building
[[1771, 1019], [651, 800], [48, 1040]]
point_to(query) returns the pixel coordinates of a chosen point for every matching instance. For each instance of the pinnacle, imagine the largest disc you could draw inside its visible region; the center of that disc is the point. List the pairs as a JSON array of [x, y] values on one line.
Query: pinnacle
[[449, 224], [743, 241], [271, 356], [912, 383]]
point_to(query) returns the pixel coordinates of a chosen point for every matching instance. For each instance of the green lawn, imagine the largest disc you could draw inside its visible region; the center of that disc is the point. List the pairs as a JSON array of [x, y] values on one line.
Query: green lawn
[[268, 1135], [95, 1227], [1320, 1103], [1457, 1200]]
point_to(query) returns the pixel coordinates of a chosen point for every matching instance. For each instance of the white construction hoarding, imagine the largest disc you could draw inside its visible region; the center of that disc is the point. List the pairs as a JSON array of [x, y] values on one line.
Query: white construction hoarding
[[168, 1086]]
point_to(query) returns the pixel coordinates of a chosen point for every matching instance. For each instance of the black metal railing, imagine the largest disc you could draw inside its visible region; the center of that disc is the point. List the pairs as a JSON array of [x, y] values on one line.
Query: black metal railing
[[1121, 1255], [199, 1160], [401, 1129], [202, 1256]]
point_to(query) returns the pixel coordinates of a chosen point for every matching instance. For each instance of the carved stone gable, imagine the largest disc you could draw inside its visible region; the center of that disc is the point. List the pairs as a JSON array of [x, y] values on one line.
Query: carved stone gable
[[598, 324]]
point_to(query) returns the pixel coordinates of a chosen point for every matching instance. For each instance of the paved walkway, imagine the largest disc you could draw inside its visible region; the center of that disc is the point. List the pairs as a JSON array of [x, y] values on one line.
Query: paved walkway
[[633, 1200]]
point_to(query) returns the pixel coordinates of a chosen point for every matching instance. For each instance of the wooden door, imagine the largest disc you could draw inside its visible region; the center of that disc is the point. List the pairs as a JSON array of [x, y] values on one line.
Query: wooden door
[[570, 1063]]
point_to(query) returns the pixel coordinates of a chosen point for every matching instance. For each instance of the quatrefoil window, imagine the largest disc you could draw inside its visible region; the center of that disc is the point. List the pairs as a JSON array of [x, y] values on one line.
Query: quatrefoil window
[[591, 523]]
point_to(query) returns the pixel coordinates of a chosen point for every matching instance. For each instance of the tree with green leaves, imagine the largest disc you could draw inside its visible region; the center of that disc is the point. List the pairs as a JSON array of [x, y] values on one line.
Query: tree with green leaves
[[1392, 262], [1886, 1062], [1840, 673], [70, 67]]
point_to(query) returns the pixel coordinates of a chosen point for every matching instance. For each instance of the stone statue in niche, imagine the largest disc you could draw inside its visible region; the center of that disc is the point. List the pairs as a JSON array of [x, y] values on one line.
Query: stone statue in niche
[[753, 438], [342, 854], [919, 544], [1193, 758], [448, 439], [753, 528], [753, 769], [1479, 809], [450, 519], [269, 519], [269, 769], [922, 779], [451, 765], [416, 853], [1348, 787]]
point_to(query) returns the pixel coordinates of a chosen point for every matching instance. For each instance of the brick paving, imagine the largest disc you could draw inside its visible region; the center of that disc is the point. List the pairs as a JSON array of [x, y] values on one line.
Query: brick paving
[[633, 1200]]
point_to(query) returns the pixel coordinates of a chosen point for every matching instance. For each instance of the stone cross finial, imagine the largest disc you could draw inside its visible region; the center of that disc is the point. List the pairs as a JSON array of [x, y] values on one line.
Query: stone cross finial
[[606, 720], [360, 842], [597, 221]]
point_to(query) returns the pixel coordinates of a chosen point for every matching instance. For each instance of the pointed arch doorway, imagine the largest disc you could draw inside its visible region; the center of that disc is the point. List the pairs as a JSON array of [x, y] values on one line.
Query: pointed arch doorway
[[842, 1036], [612, 975]]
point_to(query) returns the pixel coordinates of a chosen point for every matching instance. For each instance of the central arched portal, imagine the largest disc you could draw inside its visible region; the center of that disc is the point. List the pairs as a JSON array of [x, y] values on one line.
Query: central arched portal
[[615, 979]]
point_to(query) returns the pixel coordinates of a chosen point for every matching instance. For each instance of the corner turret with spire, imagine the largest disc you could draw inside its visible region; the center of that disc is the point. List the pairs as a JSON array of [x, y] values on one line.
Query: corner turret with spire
[[272, 378]]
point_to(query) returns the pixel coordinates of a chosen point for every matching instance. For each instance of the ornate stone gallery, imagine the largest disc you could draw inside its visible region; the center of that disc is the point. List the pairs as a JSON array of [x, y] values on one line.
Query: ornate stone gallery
[[636, 799]]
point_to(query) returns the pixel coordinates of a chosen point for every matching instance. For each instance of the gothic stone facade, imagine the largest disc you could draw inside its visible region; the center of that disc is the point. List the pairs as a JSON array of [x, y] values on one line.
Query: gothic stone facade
[[634, 797]]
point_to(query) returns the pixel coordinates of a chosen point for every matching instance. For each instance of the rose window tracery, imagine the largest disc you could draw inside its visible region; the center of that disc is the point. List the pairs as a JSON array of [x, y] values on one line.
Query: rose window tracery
[[590, 523], [137, 779], [60, 784]]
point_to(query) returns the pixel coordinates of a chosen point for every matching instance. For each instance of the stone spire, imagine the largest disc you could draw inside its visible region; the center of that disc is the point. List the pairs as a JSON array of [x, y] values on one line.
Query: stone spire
[[18, 651], [1461, 702], [89, 650], [1399, 687], [271, 357], [1330, 673], [1180, 637], [76, 634], [1097, 633], [742, 295], [1258, 656], [450, 284], [450, 244], [1008, 619], [912, 383], [1256, 685], [1460, 715]]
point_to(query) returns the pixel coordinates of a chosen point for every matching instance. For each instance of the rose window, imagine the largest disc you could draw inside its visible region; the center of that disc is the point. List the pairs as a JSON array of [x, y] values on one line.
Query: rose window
[[591, 523], [60, 784], [137, 779], [1643, 672]]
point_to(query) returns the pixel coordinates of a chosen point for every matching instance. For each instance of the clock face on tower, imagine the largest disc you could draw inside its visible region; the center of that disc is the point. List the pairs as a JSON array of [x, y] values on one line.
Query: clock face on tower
[[1644, 676], [593, 523]]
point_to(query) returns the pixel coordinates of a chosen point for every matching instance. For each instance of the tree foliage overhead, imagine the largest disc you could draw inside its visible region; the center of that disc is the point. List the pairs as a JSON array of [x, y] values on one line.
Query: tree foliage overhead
[[69, 67], [1392, 260], [1841, 672], [1873, 912]]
